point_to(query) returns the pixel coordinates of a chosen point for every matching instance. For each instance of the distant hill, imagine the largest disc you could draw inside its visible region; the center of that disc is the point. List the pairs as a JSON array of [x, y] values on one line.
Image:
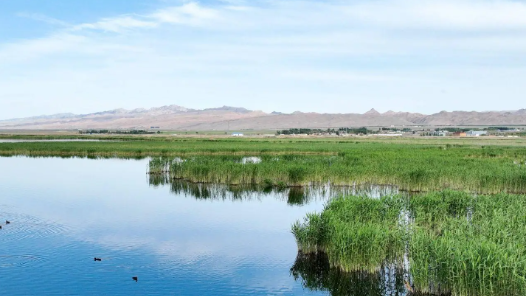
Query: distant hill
[[233, 118]]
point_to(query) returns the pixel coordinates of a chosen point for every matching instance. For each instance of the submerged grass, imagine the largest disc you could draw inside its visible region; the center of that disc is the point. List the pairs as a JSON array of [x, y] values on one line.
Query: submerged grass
[[455, 242]]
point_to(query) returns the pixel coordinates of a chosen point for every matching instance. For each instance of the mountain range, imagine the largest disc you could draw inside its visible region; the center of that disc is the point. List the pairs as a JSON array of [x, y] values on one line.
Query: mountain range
[[175, 117]]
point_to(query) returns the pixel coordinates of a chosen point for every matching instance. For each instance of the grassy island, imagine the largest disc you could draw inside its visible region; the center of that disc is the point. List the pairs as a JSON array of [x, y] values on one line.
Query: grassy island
[[484, 169], [449, 242]]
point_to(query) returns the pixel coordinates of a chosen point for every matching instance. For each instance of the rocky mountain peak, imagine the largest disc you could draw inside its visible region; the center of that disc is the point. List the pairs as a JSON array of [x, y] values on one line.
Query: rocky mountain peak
[[372, 112]]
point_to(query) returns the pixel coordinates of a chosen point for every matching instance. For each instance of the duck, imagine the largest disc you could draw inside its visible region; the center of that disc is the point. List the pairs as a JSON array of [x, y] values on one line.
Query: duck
[[97, 259], [7, 222], [135, 278]]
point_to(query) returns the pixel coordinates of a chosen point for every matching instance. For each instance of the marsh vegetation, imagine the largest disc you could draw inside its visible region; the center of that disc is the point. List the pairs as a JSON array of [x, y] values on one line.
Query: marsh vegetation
[[118, 146], [448, 241], [483, 170], [468, 240]]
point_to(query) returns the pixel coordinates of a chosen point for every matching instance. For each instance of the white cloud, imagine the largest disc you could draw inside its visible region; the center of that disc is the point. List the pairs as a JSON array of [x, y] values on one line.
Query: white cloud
[[281, 55], [117, 25], [186, 14], [189, 14], [38, 48], [238, 8], [452, 15], [43, 18]]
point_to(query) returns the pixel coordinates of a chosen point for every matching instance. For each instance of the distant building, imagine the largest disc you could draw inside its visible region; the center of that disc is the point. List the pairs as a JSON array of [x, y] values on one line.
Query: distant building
[[459, 134], [237, 135], [387, 135], [476, 133], [441, 133]]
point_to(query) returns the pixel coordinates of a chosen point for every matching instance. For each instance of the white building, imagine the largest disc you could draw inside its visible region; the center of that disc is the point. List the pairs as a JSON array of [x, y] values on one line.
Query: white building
[[237, 135], [441, 133], [476, 133]]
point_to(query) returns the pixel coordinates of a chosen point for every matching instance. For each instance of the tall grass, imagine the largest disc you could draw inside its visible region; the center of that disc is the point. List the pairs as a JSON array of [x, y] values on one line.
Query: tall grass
[[173, 146], [456, 242], [357, 233], [409, 169], [469, 245]]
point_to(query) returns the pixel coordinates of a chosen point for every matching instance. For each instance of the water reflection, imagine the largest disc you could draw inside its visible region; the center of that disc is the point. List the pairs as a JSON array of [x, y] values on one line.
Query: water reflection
[[180, 238], [294, 196], [315, 273], [87, 155], [65, 212]]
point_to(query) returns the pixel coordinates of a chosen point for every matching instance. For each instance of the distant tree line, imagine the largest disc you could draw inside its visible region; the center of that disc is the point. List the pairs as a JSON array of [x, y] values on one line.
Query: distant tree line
[[296, 131], [120, 132], [500, 128], [357, 131], [453, 129], [308, 131], [490, 128], [394, 129]]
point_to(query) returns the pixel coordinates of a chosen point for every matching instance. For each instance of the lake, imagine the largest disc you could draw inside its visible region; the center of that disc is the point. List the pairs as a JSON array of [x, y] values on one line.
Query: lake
[[177, 238]]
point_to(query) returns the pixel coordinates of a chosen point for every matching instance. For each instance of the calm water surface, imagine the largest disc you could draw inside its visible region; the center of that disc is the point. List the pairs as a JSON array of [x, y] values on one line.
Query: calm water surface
[[177, 238]]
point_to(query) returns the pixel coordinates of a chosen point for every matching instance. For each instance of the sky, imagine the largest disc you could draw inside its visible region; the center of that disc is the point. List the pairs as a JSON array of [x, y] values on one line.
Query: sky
[[326, 56]]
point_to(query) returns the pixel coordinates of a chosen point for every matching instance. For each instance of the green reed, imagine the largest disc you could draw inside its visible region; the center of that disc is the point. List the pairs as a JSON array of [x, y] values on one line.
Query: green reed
[[475, 245], [357, 233], [118, 146], [456, 242], [410, 168]]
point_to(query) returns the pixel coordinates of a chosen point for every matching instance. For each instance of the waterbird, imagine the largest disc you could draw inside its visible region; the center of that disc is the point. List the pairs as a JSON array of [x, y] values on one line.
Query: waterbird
[[7, 222], [97, 259], [0, 226], [135, 278]]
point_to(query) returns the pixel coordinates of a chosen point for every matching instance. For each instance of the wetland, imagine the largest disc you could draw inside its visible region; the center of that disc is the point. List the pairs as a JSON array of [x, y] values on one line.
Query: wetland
[[252, 216]]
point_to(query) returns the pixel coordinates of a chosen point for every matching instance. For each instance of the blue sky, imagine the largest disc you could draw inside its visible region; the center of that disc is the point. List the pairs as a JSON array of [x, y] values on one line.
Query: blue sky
[[315, 56]]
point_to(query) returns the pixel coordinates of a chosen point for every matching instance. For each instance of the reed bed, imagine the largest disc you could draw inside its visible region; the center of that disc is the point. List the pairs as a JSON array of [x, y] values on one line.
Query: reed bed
[[484, 170], [455, 242], [173, 146], [357, 233], [471, 245]]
